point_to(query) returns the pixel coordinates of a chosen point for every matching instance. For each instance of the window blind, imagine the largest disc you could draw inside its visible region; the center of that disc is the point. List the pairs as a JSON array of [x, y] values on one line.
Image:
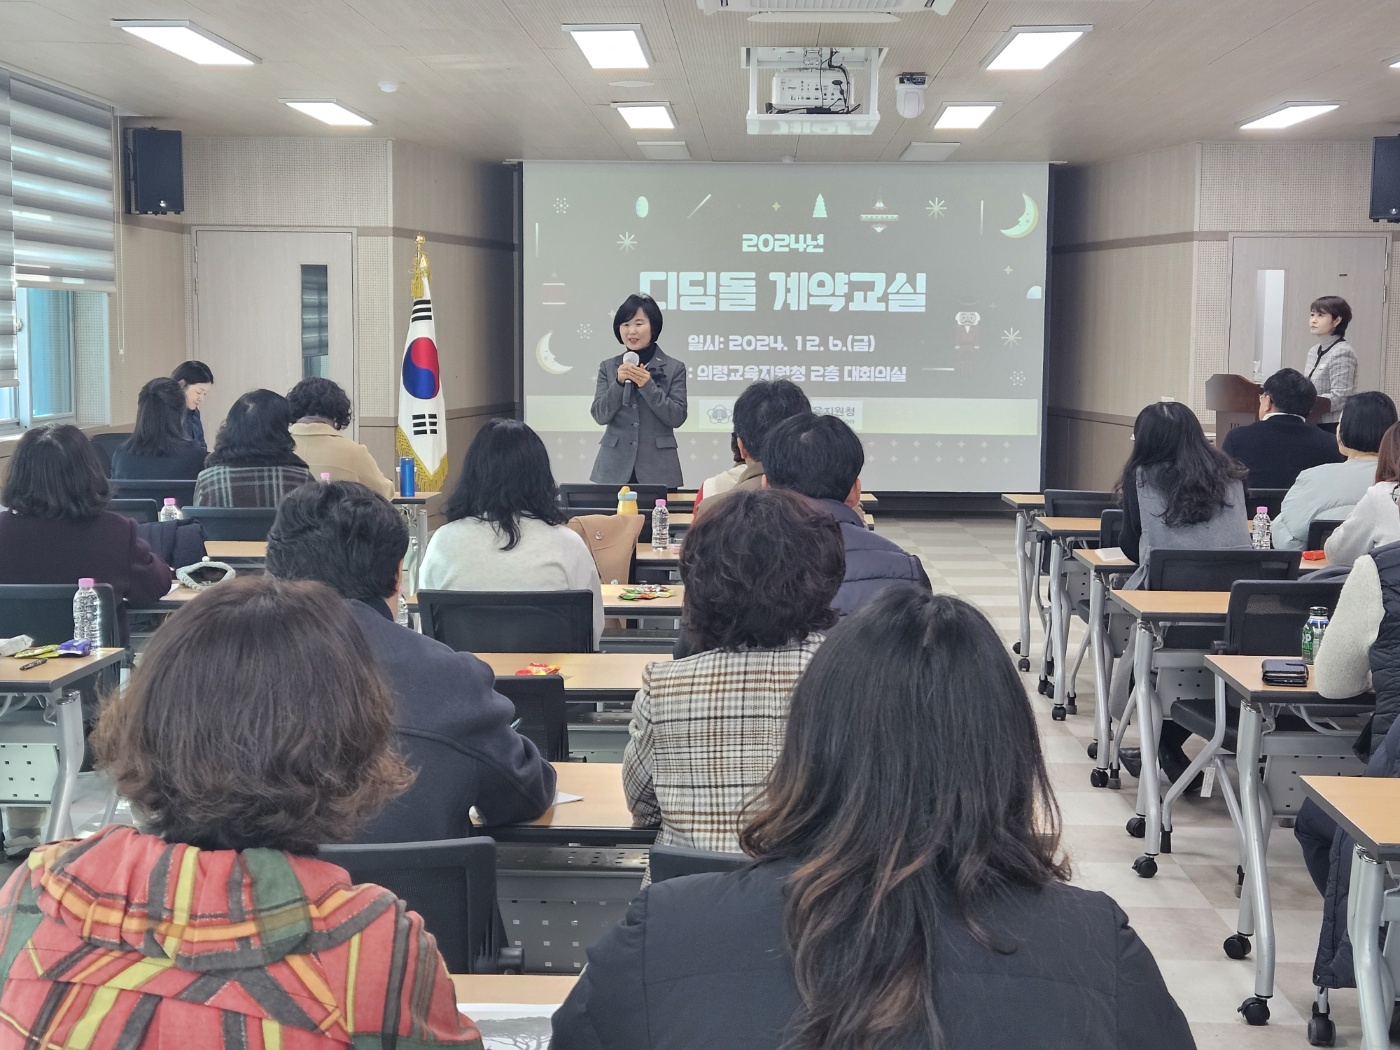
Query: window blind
[[9, 366]]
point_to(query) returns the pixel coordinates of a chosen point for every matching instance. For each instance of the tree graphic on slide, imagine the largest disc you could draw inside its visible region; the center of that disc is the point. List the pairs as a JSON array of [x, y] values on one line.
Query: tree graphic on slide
[[516, 1033]]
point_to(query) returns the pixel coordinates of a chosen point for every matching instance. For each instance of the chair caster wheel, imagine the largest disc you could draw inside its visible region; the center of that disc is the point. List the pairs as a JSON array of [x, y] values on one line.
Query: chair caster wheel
[[1098, 778], [1042, 685], [1255, 1010], [1137, 827], [1145, 866], [1016, 648], [1237, 946], [1058, 712], [1114, 783], [1166, 841], [1050, 690], [1070, 704], [1023, 665], [1050, 666], [1093, 749], [1321, 1030]]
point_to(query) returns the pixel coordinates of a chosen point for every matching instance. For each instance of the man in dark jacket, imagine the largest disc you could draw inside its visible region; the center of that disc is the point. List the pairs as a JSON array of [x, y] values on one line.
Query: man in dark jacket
[[454, 729], [820, 457], [761, 407], [1282, 444]]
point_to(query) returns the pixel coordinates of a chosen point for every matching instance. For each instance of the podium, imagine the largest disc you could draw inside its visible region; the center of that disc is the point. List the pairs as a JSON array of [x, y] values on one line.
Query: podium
[[1235, 402]]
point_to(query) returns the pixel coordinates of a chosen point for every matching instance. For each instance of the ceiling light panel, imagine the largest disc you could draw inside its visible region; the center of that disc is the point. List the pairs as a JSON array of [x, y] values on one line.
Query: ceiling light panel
[[1289, 114], [328, 111], [964, 116], [646, 116], [187, 40], [1034, 47], [612, 46]]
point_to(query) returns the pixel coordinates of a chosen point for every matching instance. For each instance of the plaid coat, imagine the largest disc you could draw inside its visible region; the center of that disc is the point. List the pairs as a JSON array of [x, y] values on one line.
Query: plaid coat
[[247, 486], [1334, 376], [705, 732], [124, 941]]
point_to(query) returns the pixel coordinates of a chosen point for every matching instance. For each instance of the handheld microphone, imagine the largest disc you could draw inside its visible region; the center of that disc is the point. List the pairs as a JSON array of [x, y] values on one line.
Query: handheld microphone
[[629, 358]]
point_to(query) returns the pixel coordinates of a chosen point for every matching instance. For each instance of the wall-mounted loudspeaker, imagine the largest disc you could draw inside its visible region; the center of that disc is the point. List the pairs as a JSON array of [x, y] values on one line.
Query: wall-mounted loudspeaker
[[155, 172], [1385, 180]]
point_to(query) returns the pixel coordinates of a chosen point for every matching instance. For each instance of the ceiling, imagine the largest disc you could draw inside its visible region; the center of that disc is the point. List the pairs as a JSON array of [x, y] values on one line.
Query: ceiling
[[497, 79]]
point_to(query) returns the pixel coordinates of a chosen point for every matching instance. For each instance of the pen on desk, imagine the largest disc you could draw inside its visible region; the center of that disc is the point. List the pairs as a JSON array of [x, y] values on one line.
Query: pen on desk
[[33, 664]]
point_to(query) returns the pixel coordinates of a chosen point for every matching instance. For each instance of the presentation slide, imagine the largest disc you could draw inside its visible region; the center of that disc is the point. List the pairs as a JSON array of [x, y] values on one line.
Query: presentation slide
[[907, 299]]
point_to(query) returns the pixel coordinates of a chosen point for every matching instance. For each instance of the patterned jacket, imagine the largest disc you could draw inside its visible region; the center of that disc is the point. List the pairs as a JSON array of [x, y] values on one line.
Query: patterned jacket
[[705, 732], [1334, 376], [247, 486], [124, 941]]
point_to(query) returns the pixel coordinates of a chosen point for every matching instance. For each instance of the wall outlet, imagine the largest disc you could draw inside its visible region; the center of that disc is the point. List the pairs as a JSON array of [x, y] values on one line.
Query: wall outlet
[[817, 88]]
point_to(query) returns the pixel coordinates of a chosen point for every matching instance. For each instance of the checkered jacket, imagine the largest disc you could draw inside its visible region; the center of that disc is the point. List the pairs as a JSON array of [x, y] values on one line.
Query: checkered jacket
[[1334, 377], [247, 486], [705, 732]]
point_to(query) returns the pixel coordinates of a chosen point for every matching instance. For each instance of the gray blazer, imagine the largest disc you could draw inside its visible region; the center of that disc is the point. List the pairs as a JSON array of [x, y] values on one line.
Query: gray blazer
[[640, 437]]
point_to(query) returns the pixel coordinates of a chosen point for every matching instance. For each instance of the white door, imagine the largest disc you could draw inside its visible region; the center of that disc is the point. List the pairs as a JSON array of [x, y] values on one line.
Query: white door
[[270, 309], [1272, 281]]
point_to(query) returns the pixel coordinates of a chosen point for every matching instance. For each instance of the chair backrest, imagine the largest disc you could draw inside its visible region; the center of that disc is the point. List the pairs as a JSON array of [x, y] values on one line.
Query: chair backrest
[[1319, 530], [233, 523], [106, 445], [44, 611], [1266, 617], [670, 862], [509, 621], [1077, 503], [1271, 498], [141, 511], [1213, 570], [1110, 527], [181, 491], [541, 708], [451, 883]]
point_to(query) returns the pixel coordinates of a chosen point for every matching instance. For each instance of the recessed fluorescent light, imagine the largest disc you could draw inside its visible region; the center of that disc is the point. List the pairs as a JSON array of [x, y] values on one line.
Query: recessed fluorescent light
[[647, 116], [834, 17], [187, 40], [1393, 63], [328, 111], [664, 150], [631, 84], [965, 116], [1288, 114], [928, 151], [1034, 47], [612, 46]]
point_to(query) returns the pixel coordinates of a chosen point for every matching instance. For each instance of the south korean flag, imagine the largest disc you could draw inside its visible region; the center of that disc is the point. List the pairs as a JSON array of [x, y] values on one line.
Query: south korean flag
[[422, 424]]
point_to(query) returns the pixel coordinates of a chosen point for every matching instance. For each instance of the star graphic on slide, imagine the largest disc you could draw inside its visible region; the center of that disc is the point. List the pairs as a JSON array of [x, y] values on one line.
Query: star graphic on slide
[[1007, 271], [1010, 337], [936, 208], [627, 241], [776, 205], [1017, 379], [561, 205]]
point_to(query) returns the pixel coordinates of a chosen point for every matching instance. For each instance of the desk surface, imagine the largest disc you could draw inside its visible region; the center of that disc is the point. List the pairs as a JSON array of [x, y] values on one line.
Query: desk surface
[[604, 805], [613, 604], [1068, 526], [582, 672], [543, 989], [1367, 808], [225, 550], [1023, 500], [1174, 605], [58, 673], [417, 497], [1093, 558], [647, 553]]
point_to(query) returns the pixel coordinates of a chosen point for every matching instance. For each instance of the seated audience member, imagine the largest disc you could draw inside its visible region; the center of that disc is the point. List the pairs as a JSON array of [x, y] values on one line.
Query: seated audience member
[[158, 447], [505, 531], [195, 379], [1375, 520], [760, 574], [1282, 443], [454, 729], [254, 462], [757, 410], [820, 457], [215, 925], [906, 887], [321, 409], [1333, 489], [725, 479]]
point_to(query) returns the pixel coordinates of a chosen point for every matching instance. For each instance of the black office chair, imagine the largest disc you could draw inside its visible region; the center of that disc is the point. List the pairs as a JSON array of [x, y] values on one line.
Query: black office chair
[[1077, 503], [1272, 499], [181, 491], [233, 523], [451, 883], [1319, 530], [540, 705], [671, 862], [141, 511], [1216, 570], [107, 445], [576, 499], [509, 621]]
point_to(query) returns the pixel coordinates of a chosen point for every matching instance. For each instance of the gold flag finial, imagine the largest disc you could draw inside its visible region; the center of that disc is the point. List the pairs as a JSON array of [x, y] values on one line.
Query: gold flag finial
[[421, 270]]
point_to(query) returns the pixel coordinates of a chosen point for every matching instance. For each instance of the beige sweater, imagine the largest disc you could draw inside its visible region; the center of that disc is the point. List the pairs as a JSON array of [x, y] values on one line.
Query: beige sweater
[[328, 451]]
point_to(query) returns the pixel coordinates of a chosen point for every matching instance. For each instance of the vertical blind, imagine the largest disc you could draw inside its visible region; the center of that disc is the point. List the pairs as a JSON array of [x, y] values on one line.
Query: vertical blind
[[9, 370]]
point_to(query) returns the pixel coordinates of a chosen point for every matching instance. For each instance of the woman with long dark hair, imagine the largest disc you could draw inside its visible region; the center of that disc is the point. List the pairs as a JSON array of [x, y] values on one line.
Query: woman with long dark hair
[[158, 447], [505, 531], [906, 890], [254, 462]]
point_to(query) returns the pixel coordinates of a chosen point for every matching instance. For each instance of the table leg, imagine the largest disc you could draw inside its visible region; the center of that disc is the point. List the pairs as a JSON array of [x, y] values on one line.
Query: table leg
[[1148, 821], [1098, 647], [1058, 629], [1251, 737], [69, 710], [1024, 572], [1363, 924]]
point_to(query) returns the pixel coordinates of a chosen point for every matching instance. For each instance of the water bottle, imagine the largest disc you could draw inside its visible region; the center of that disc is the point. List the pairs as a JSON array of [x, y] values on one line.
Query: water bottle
[[408, 476], [1262, 534], [401, 611], [325, 475], [87, 613], [660, 526], [1313, 631], [170, 511], [626, 501]]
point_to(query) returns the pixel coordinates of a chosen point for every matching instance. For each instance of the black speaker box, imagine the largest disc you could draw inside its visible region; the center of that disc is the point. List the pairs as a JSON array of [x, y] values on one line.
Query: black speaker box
[[1385, 180], [155, 172]]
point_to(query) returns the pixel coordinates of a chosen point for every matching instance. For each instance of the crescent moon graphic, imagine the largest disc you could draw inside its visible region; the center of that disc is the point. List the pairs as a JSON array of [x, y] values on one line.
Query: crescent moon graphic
[[547, 360], [1028, 219]]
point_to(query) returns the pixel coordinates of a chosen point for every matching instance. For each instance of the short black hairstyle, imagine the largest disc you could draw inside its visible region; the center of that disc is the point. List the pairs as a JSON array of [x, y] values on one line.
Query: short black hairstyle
[[191, 372], [760, 570], [341, 534], [506, 477], [160, 419], [1365, 419], [819, 457], [255, 434], [55, 473], [628, 310], [1291, 391], [315, 396], [1333, 306], [761, 407]]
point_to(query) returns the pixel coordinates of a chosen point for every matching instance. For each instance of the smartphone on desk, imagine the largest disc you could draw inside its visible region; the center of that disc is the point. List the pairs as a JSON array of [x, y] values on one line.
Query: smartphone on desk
[[1284, 672]]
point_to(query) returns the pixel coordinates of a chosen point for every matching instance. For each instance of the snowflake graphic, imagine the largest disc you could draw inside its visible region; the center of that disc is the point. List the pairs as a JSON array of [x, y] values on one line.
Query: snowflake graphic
[[627, 241], [561, 205], [1010, 337], [937, 208], [585, 331], [1018, 378]]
